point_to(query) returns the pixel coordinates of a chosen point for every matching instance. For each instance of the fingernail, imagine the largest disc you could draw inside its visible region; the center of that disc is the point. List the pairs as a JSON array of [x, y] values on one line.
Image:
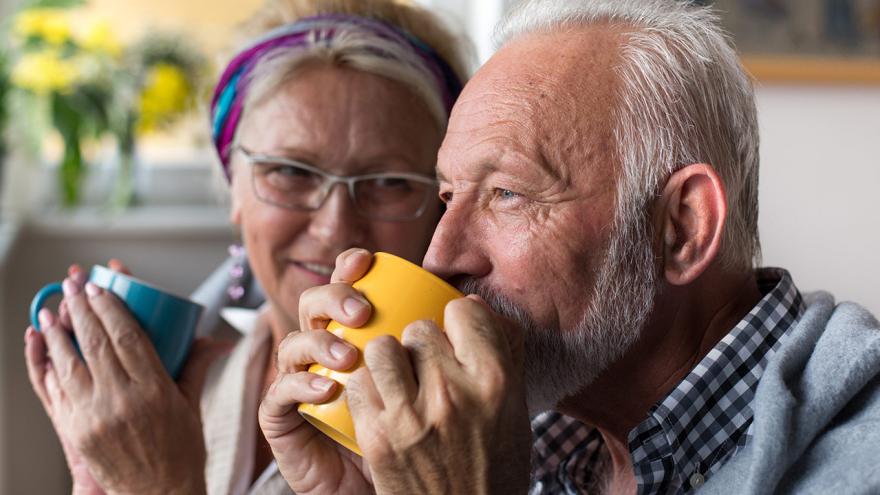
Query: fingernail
[[79, 277], [27, 333], [349, 261], [92, 290], [352, 306], [47, 319], [321, 384], [340, 350], [70, 287]]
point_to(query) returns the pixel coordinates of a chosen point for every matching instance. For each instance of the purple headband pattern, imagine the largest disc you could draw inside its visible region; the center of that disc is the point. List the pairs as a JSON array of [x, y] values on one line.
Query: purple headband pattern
[[228, 100]]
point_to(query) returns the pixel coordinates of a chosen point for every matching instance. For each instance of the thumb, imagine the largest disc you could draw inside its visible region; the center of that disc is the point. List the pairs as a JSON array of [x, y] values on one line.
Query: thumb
[[514, 332], [204, 352]]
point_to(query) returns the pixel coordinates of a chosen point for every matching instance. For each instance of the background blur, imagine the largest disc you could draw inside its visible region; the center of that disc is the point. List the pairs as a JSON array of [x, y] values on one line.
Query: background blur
[[819, 106]]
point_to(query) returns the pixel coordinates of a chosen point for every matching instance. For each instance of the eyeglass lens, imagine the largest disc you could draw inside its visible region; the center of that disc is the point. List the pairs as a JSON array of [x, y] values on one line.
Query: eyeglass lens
[[383, 197]]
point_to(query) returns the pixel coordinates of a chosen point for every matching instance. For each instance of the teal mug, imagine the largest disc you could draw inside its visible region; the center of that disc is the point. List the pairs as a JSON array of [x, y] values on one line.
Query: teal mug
[[169, 320]]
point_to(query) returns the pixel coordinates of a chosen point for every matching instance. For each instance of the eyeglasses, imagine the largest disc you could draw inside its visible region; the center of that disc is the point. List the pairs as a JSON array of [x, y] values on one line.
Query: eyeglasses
[[388, 196]]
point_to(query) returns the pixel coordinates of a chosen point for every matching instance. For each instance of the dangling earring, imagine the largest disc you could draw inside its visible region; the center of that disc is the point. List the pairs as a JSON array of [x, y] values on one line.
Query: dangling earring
[[236, 288]]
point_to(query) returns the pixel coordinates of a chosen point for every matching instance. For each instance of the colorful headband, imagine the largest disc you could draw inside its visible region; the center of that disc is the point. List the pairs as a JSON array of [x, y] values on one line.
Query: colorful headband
[[227, 103]]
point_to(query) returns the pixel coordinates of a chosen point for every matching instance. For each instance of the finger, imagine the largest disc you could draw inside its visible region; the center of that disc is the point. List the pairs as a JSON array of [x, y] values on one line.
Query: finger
[[133, 348], [364, 403], [351, 265], [54, 390], [94, 343], [475, 334], [71, 373], [295, 443], [512, 331], [118, 266], [78, 276], [298, 350], [431, 355], [291, 389], [391, 372], [203, 353], [73, 270], [277, 414], [339, 301], [64, 315], [36, 358]]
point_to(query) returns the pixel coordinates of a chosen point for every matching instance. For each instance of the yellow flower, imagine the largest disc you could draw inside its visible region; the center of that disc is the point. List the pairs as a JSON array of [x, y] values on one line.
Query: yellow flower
[[44, 71], [165, 95], [99, 37], [49, 24]]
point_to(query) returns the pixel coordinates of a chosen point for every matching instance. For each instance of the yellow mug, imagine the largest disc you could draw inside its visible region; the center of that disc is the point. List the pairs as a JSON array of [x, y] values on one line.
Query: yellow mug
[[400, 293]]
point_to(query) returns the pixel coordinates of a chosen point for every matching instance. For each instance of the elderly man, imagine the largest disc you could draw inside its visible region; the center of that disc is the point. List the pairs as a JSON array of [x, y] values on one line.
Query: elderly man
[[600, 174]]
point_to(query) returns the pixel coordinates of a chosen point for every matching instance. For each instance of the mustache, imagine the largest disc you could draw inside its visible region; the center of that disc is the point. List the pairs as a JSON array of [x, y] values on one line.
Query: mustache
[[496, 300]]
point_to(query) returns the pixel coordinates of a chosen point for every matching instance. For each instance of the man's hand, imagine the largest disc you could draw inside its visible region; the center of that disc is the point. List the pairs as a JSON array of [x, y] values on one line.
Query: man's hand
[[440, 413], [119, 415], [445, 412]]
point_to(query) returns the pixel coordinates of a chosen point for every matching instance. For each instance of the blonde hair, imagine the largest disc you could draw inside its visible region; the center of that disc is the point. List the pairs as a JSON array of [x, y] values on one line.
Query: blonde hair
[[417, 21]]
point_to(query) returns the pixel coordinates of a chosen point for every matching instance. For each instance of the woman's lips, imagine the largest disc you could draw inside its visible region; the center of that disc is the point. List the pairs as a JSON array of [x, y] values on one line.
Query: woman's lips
[[318, 272]]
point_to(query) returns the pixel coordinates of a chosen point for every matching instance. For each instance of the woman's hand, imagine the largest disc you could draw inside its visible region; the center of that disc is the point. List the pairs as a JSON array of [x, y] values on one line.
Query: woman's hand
[[119, 415], [37, 365], [310, 461]]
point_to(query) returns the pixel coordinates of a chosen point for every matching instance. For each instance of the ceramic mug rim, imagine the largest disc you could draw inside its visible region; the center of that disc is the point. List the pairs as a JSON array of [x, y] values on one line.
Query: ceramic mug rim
[[135, 280]]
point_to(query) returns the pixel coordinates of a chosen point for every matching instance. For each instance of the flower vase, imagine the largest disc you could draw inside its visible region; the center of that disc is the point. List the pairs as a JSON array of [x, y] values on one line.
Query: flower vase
[[123, 190], [72, 169], [68, 122]]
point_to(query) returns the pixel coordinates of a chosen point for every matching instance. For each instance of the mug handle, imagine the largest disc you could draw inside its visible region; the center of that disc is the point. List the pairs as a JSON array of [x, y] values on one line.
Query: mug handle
[[40, 300]]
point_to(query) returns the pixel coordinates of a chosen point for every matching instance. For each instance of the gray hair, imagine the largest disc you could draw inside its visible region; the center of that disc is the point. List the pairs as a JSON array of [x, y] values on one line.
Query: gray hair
[[684, 98]]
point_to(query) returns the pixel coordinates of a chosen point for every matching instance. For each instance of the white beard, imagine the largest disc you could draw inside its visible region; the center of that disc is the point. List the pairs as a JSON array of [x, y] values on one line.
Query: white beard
[[559, 363]]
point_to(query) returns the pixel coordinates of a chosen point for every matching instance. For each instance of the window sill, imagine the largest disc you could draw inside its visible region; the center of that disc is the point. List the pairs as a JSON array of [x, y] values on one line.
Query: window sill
[[179, 221]]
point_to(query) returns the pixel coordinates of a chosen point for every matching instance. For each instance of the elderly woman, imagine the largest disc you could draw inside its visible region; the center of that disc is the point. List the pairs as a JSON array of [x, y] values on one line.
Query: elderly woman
[[327, 126]]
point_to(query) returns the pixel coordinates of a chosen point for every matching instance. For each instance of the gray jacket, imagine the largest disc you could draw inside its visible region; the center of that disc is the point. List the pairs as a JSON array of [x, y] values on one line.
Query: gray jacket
[[817, 410]]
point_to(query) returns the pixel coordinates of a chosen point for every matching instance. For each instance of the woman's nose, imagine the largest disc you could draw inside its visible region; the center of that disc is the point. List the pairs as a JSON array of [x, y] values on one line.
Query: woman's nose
[[336, 222]]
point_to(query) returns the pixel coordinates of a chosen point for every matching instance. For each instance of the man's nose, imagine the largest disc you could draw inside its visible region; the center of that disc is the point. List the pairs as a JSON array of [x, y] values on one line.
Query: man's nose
[[456, 249], [336, 222]]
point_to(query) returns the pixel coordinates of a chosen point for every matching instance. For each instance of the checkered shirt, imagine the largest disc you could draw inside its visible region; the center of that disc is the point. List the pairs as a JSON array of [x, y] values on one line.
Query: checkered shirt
[[695, 429]]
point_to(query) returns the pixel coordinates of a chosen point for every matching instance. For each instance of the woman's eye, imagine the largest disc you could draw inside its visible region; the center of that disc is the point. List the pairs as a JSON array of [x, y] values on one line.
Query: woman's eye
[[289, 171], [393, 183]]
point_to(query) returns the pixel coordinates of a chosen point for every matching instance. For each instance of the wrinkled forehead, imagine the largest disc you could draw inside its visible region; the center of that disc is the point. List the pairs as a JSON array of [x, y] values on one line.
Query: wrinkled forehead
[[550, 94]]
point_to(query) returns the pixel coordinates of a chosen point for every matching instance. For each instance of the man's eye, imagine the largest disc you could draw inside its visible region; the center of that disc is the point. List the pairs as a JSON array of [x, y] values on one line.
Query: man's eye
[[506, 193]]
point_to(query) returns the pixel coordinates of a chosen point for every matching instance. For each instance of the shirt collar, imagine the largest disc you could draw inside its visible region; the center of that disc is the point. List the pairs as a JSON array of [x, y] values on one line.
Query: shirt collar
[[698, 425], [701, 422]]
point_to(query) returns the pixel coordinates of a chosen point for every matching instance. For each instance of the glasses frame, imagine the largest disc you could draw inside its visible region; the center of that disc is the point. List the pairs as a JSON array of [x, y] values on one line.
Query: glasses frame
[[329, 181]]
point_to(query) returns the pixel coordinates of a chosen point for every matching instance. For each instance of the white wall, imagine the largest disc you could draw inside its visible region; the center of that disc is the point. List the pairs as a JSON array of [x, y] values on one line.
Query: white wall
[[820, 187]]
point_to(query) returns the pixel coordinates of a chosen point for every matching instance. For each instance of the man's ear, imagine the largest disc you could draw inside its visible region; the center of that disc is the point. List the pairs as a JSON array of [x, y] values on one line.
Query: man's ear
[[692, 216]]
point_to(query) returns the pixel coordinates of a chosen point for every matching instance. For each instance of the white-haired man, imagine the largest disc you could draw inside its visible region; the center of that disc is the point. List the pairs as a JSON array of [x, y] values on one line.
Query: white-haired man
[[600, 174]]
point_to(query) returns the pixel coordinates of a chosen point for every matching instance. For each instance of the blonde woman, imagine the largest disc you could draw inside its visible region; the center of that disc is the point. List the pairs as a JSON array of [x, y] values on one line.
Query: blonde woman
[[327, 125]]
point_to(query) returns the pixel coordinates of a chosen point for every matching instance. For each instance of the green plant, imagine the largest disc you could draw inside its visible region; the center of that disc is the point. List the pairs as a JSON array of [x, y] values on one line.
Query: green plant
[[90, 86], [4, 91]]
